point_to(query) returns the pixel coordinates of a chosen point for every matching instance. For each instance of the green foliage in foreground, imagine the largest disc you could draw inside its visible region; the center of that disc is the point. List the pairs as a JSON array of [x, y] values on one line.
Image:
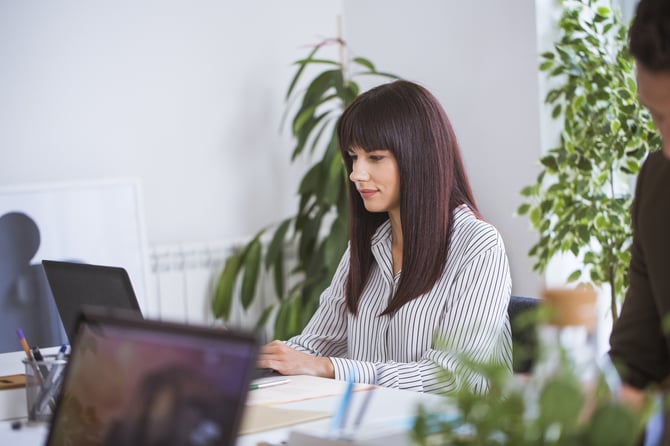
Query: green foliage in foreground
[[555, 413], [552, 406]]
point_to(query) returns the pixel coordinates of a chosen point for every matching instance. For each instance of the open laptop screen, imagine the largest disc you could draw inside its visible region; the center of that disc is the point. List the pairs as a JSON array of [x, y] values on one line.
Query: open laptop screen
[[140, 382], [75, 285]]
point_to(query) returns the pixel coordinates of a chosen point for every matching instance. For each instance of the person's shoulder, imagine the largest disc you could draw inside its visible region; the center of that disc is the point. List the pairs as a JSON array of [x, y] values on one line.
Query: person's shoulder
[[472, 232], [656, 161], [655, 171]]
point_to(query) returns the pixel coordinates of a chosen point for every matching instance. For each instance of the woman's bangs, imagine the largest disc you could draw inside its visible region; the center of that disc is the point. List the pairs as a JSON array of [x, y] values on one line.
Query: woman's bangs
[[366, 128]]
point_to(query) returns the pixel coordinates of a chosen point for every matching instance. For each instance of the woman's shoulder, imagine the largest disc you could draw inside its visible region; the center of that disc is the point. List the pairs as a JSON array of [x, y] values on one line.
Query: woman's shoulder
[[473, 234]]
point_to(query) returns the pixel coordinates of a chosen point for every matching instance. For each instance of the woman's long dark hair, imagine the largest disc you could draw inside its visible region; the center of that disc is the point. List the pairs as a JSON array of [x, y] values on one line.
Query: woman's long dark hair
[[407, 120]]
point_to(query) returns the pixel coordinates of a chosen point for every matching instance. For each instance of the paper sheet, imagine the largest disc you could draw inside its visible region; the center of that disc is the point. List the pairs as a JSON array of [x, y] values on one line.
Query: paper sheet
[[302, 388], [262, 418]]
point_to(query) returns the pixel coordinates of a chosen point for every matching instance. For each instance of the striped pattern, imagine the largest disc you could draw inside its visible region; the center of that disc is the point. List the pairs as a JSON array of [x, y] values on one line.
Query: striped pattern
[[467, 307]]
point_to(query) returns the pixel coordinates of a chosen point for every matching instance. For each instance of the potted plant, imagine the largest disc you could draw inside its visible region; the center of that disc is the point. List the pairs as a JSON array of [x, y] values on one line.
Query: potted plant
[[318, 233], [581, 200]]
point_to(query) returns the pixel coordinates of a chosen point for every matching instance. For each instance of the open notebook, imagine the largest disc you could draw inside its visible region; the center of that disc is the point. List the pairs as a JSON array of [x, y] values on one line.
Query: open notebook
[[131, 382]]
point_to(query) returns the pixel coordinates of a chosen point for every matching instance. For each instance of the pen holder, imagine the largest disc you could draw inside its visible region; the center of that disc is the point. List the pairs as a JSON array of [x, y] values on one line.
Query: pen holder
[[43, 382]]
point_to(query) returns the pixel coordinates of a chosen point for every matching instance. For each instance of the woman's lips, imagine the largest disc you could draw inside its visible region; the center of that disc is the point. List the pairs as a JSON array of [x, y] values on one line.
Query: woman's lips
[[367, 193]]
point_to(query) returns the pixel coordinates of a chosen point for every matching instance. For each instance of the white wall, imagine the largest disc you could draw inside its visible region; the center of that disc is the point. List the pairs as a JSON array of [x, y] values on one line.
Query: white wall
[[480, 59], [187, 97]]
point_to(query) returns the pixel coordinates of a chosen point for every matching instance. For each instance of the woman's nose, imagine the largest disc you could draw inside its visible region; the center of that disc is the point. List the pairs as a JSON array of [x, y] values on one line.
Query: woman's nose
[[358, 173]]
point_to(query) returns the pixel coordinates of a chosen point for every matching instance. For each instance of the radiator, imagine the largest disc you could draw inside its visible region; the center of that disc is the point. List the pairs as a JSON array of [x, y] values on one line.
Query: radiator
[[183, 279]]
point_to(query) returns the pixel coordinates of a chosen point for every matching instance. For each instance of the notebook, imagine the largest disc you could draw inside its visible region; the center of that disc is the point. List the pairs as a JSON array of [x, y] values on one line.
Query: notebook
[[74, 285], [138, 382]]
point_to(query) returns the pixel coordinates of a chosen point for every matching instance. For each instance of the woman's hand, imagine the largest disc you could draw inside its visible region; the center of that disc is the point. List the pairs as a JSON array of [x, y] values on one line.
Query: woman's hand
[[287, 361]]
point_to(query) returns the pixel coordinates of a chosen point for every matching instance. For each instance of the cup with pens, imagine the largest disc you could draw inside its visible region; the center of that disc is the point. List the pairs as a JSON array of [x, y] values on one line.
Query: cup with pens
[[44, 376]]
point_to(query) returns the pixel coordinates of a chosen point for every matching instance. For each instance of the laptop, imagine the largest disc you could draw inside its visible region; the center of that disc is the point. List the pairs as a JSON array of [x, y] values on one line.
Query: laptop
[[74, 285], [133, 381]]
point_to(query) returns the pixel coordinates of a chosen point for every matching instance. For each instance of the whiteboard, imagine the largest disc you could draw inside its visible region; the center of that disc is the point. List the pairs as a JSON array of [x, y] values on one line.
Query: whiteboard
[[98, 222]]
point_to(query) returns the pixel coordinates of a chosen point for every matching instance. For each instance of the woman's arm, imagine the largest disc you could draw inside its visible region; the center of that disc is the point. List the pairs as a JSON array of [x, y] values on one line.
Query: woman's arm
[[325, 335]]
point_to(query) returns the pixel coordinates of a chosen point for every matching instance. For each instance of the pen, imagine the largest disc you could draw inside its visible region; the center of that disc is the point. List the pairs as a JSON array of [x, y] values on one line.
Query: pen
[[340, 417], [363, 409], [61, 351], [37, 354], [29, 355], [265, 384], [24, 344], [50, 388]]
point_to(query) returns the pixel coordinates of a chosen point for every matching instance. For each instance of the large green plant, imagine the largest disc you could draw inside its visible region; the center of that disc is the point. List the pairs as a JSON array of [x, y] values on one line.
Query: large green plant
[[581, 200], [317, 234]]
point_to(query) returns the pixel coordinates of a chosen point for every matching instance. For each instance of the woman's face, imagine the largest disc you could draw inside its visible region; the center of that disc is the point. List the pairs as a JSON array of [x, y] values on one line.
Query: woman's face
[[377, 179]]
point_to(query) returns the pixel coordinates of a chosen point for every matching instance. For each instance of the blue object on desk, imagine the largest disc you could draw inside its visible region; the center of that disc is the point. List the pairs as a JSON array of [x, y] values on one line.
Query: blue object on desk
[[340, 417]]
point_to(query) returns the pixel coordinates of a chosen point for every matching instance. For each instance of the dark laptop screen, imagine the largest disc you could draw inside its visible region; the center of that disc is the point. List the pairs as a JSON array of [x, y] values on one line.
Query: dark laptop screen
[[149, 383], [75, 285]]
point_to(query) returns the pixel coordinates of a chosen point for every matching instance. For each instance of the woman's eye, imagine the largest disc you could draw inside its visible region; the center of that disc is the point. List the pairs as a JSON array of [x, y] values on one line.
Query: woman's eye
[[376, 157]]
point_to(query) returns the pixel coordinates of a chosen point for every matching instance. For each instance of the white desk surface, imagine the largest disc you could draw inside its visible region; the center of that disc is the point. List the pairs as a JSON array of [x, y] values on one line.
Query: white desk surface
[[387, 407]]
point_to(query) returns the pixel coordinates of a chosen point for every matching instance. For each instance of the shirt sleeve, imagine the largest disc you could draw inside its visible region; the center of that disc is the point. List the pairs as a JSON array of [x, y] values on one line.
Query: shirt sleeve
[[475, 326], [326, 332]]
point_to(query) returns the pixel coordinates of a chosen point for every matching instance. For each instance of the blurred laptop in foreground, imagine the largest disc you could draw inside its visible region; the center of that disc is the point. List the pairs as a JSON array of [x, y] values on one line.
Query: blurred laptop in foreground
[[140, 382]]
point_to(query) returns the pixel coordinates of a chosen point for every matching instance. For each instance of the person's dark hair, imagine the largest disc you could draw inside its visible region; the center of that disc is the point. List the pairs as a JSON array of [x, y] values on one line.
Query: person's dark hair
[[407, 120], [649, 35]]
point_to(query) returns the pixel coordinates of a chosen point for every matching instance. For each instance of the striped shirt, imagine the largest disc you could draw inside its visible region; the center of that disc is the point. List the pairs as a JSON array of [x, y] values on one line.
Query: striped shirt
[[466, 308]]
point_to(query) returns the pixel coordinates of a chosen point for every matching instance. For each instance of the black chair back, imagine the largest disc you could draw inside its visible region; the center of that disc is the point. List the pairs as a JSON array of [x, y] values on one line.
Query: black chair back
[[524, 335]]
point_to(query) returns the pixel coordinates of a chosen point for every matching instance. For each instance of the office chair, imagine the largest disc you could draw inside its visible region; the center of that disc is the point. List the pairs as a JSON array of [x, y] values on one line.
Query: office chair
[[524, 336]]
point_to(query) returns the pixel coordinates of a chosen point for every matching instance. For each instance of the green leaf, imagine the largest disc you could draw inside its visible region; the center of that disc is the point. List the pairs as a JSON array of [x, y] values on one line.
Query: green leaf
[[311, 181], [278, 277], [304, 116], [252, 262], [336, 243], [223, 296], [547, 64], [556, 111], [550, 163], [603, 11], [316, 61], [365, 62], [528, 191], [535, 217], [317, 89], [287, 322], [574, 276], [523, 209], [578, 103], [612, 425], [561, 401], [263, 318], [301, 68], [275, 248]]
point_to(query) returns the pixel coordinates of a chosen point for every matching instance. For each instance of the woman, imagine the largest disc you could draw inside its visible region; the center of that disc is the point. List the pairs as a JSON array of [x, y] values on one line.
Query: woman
[[424, 281]]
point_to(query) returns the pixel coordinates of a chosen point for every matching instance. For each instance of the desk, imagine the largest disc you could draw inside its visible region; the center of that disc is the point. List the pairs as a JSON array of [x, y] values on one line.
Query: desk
[[387, 406]]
